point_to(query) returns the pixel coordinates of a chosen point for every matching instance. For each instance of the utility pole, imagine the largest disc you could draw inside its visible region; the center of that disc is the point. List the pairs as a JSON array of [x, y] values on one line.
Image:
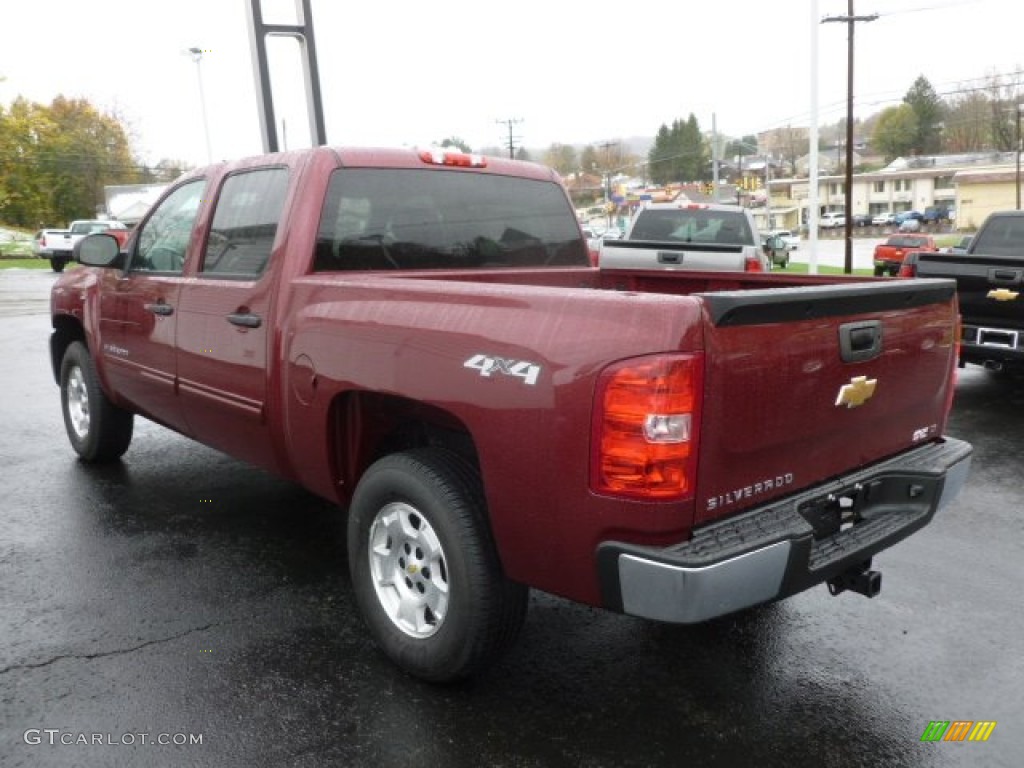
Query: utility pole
[[511, 139], [850, 20], [606, 179], [1017, 176]]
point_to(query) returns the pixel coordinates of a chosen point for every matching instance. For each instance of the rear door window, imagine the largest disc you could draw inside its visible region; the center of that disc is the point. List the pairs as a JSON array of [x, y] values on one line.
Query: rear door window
[[245, 223], [439, 219]]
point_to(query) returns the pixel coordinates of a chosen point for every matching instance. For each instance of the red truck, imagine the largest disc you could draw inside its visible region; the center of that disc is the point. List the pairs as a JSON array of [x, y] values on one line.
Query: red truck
[[420, 337], [888, 256]]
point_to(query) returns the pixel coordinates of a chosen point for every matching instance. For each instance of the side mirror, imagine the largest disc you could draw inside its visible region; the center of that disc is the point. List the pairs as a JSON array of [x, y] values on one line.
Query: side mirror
[[99, 250]]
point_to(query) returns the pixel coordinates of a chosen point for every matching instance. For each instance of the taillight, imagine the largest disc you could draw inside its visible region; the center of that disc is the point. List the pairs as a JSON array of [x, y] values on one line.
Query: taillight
[[645, 428], [907, 269], [753, 264]]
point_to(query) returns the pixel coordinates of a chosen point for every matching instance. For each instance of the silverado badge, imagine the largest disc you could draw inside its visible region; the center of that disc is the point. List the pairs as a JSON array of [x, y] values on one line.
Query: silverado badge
[[1003, 294], [857, 392]]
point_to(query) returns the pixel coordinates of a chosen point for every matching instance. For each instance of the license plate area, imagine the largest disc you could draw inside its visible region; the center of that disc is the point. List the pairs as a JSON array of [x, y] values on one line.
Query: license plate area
[[998, 337]]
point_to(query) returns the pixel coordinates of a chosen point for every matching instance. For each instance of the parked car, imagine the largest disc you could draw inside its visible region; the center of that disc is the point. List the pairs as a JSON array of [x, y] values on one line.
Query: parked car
[[936, 213], [832, 220], [790, 236], [776, 250], [862, 219], [905, 215], [889, 254], [612, 233], [883, 219], [910, 225]]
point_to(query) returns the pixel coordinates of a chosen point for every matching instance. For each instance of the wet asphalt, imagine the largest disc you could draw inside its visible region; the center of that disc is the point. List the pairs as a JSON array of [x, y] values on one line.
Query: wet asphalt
[[181, 594]]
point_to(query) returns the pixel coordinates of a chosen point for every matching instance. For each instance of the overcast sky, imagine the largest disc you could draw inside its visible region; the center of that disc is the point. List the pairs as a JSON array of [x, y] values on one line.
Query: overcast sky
[[396, 72]]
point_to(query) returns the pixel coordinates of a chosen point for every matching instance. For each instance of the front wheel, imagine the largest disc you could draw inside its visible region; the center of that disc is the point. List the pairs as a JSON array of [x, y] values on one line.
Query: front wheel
[[425, 571], [99, 431]]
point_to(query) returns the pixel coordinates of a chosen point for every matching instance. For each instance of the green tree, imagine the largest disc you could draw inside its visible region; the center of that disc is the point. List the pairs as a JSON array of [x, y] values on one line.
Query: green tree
[[896, 131], [929, 112], [55, 161], [679, 152], [26, 196], [561, 157], [457, 143], [588, 160]]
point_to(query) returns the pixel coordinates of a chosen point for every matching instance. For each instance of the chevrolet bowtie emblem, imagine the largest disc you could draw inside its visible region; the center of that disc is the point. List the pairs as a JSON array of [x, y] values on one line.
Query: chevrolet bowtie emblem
[[1003, 294], [857, 392]]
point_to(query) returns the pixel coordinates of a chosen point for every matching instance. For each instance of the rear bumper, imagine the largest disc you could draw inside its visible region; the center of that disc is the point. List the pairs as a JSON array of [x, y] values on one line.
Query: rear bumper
[[981, 344], [774, 551]]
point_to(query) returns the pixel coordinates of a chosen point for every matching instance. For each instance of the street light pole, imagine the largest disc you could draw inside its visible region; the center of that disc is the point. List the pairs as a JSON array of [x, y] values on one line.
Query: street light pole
[[197, 57]]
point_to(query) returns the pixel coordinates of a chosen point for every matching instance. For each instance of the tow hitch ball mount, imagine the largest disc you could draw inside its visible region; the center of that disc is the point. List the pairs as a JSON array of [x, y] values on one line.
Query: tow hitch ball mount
[[860, 579]]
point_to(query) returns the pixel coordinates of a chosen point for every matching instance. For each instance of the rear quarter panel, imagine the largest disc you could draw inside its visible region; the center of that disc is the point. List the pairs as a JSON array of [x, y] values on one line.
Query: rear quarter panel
[[413, 338]]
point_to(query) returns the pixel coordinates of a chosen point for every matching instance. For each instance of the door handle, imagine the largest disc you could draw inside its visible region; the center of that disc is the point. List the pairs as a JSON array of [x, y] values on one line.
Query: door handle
[[160, 308], [245, 320]]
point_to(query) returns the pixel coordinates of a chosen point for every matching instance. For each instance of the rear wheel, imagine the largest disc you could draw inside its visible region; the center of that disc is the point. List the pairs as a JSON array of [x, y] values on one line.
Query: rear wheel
[[425, 571], [57, 265], [99, 431]]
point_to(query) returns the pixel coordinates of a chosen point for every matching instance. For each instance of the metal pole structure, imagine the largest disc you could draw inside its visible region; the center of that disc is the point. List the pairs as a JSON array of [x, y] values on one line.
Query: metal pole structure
[[715, 153], [303, 33], [812, 171], [1017, 177], [848, 181], [850, 20], [197, 57]]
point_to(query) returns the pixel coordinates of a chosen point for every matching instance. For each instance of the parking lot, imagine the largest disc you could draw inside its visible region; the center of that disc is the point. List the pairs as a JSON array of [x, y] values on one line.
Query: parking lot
[[182, 608]]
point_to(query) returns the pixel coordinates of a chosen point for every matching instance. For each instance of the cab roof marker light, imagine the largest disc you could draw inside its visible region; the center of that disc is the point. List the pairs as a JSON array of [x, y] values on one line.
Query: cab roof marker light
[[456, 159]]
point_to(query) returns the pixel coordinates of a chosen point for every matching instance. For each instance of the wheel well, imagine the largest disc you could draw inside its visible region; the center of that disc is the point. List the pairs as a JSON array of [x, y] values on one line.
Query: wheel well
[[366, 426], [66, 329]]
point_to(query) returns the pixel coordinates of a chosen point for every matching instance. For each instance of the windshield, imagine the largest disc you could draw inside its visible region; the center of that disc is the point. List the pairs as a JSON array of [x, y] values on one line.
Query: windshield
[[429, 219]]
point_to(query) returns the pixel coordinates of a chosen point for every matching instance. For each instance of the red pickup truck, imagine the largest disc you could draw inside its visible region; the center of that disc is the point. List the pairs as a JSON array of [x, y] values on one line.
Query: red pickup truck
[[888, 256], [420, 337]]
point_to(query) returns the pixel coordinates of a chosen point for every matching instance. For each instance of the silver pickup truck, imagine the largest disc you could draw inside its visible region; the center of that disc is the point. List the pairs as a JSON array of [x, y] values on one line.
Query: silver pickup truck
[[688, 236]]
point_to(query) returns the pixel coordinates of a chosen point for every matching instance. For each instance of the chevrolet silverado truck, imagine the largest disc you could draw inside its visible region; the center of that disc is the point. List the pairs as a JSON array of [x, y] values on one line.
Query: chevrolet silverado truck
[[989, 277], [690, 236], [419, 337], [60, 244]]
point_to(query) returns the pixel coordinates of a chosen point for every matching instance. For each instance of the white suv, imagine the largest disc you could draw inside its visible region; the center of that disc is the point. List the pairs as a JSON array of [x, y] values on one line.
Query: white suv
[[832, 220]]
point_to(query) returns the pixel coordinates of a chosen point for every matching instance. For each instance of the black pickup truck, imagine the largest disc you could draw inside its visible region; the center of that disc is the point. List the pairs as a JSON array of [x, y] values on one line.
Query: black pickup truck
[[990, 277]]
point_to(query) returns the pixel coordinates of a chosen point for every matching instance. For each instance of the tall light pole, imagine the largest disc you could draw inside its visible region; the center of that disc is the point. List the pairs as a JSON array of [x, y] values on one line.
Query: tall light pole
[[197, 57]]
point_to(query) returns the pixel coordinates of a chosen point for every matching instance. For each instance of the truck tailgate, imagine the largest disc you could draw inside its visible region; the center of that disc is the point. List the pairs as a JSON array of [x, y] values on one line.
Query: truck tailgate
[[805, 384], [979, 281]]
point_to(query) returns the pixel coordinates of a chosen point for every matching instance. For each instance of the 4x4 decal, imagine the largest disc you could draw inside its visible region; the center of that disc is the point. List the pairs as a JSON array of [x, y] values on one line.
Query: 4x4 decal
[[490, 364]]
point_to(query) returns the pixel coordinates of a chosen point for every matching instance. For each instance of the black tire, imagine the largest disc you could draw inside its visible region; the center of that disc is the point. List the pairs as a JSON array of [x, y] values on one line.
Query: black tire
[[57, 265], [431, 591], [99, 431], [879, 271]]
